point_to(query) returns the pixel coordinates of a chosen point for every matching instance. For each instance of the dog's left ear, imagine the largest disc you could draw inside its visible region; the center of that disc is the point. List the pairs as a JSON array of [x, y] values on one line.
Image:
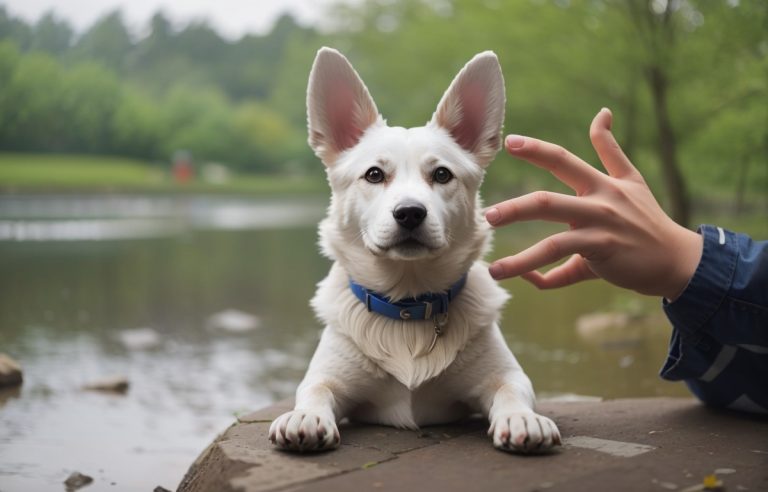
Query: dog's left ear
[[339, 107], [472, 109]]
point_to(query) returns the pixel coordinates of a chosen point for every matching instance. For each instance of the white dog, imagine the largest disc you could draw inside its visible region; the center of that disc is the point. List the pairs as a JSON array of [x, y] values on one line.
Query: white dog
[[411, 335]]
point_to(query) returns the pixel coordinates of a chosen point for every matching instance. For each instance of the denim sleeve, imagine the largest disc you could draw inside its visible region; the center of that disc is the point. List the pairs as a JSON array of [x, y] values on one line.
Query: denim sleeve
[[719, 344]]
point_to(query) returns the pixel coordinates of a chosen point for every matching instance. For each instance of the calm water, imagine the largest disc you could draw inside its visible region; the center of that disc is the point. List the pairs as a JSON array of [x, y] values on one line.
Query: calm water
[[80, 276]]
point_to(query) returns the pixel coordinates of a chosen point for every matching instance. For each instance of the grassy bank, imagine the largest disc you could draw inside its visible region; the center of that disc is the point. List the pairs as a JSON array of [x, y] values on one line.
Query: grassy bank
[[73, 173]]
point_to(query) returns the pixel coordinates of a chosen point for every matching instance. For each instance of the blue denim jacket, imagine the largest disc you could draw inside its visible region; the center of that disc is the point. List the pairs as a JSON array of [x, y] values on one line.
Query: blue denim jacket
[[719, 343]]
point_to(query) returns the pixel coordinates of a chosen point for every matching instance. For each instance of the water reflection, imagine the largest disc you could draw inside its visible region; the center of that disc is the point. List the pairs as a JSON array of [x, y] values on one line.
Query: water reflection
[[72, 296], [179, 397], [74, 218], [66, 306]]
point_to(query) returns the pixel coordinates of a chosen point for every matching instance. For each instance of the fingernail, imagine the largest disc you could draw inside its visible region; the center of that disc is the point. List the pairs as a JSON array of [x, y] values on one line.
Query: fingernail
[[514, 141], [493, 215], [496, 270], [606, 110]]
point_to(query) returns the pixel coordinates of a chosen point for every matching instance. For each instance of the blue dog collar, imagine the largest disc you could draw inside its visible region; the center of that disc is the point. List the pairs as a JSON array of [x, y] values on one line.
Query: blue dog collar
[[424, 307]]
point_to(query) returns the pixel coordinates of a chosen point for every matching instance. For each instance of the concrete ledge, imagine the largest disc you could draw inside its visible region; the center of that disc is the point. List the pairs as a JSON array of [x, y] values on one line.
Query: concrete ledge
[[629, 445]]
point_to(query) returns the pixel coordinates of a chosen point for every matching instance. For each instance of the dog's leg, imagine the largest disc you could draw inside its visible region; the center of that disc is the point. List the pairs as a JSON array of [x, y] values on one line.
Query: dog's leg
[[514, 425], [324, 396], [311, 425], [494, 380]]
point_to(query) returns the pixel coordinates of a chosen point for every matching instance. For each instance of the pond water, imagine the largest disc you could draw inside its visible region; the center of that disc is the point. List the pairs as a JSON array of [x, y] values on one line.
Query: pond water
[[93, 287]]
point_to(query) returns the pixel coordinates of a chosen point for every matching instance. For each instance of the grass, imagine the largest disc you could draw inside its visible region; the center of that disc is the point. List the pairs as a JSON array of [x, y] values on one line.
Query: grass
[[61, 173]]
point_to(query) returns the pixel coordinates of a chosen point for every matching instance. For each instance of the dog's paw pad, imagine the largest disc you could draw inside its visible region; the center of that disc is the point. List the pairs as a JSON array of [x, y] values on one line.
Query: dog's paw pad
[[525, 432], [302, 431]]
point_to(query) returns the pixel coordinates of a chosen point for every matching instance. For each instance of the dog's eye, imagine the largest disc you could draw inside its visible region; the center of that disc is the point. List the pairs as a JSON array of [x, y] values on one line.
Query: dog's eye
[[442, 175], [374, 175]]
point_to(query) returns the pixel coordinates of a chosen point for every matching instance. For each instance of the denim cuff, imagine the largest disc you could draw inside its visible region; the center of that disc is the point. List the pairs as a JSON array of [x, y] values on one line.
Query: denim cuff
[[709, 285]]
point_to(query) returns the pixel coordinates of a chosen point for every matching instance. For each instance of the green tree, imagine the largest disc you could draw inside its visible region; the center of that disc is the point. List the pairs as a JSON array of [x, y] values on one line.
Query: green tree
[[9, 59], [88, 100], [137, 126], [14, 29], [197, 120], [32, 104], [51, 35], [266, 141], [107, 41]]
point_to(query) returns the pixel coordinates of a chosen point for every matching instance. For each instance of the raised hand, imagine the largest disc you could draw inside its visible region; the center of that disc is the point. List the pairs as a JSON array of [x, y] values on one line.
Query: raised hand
[[617, 230]]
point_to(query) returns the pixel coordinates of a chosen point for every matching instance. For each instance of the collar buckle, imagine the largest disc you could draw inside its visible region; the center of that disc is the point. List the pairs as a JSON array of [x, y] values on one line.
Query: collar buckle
[[427, 310]]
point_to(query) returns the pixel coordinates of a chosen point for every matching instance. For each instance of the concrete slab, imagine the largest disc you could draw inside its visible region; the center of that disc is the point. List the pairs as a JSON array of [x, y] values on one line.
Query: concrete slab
[[629, 445]]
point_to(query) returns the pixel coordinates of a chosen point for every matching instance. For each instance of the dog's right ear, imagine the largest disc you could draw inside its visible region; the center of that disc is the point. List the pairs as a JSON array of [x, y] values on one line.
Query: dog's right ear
[[472, 109], [339, 107]]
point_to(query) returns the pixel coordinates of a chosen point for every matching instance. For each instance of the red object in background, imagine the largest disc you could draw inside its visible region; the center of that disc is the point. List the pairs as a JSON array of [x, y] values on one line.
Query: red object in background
[[183, 172]]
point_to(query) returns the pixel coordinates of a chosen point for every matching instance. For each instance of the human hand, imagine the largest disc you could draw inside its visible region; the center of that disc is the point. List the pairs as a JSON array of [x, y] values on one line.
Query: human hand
[[617, 230]]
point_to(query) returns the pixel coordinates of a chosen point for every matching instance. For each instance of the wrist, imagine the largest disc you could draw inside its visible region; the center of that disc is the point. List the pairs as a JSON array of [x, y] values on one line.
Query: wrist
[[688, 246]]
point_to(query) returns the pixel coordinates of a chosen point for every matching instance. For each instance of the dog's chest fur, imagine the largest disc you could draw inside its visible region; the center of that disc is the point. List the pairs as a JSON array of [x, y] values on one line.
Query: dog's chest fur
[[400, 347]]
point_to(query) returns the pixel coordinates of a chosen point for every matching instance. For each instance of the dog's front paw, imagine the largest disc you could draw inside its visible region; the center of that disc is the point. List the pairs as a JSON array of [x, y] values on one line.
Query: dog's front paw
[[524, 432], [301, 431]]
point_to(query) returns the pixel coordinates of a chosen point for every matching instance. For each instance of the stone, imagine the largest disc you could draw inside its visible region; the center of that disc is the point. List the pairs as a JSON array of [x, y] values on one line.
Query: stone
[[589, 324], [140, 339], [232, 321], [116, 384], [77, 480], [10, 372], [629, 444]]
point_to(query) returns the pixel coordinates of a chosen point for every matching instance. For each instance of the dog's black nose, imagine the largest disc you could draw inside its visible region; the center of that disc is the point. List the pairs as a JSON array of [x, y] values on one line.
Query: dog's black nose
[[409, 214]]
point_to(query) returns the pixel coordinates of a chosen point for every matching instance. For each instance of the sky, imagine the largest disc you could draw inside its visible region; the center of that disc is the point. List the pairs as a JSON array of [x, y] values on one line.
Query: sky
[[232, 18]]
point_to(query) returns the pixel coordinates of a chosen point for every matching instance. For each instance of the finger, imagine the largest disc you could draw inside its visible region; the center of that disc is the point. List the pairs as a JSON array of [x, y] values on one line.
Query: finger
[[613, 158], [546, 251], [541, 205], [577, 174], [571, 272]]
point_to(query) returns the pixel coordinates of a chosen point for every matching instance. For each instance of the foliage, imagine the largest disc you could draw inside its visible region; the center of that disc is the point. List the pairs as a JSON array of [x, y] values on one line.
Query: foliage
[[241, 102], [188, 90]]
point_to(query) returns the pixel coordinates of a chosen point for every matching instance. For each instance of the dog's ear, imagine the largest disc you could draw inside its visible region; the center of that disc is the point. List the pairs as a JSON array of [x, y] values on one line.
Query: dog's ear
[[472, 109], [339, 106]]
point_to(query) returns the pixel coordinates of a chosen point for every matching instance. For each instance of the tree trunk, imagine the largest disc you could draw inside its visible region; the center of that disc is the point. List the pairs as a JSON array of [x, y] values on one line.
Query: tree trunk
[[741, 184], [629, 138], [666, 144]]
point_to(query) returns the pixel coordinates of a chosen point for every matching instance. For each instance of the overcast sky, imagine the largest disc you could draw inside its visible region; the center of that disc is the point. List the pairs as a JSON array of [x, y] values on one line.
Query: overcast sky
[[232, 18]]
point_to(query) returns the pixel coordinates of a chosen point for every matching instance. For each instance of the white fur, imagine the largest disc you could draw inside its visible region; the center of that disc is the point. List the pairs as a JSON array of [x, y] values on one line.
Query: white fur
[[375, 369]]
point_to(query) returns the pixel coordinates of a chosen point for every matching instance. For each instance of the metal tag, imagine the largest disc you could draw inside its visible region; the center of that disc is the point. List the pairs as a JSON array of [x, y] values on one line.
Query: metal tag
[[440, 322]]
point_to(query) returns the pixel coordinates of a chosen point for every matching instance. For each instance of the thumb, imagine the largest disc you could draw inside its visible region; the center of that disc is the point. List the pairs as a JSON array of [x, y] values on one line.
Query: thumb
[[613, 158]]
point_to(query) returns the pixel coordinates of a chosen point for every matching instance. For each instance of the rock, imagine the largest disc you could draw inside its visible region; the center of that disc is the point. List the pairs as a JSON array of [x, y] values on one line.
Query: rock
[[612, 330], [626, 361], [602, 441], [117, 384], [77, 481], [140, 339], [232, 321], [10, 372], [10, 393], [160, 489], [592, 323]]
